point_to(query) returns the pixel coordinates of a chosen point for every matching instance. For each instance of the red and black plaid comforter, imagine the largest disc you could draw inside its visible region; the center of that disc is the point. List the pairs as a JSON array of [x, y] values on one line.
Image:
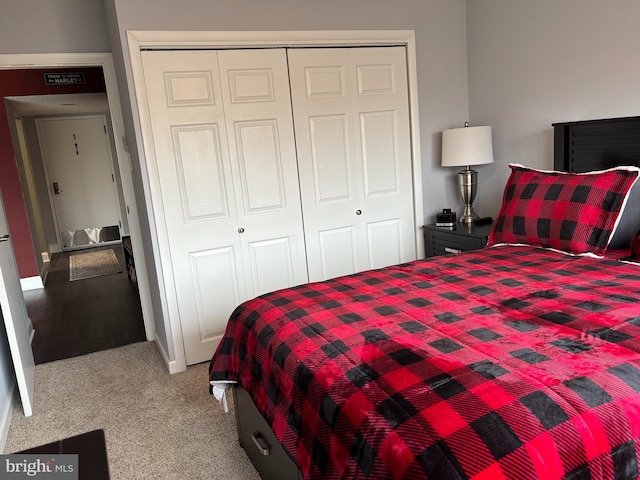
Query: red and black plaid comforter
[[507, 362]]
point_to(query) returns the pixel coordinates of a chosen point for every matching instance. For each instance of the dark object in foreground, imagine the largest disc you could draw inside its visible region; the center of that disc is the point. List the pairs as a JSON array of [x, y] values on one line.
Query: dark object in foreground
[[91, 449]]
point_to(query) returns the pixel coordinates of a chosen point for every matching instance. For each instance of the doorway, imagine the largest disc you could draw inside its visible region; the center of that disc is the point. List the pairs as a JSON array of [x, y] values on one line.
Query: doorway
[[80, 317], [145, 328], [78, 160]]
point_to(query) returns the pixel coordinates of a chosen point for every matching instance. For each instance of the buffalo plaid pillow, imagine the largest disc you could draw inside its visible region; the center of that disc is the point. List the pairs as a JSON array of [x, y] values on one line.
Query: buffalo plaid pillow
[[576, 213]]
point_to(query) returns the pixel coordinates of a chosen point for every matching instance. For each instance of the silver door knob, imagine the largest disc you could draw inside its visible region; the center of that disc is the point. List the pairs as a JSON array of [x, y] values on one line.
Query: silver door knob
[[240, 230], [358, 212]]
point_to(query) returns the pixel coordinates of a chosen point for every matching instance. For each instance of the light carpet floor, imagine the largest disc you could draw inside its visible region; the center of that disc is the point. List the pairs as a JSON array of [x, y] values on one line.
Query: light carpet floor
[[157, 425]]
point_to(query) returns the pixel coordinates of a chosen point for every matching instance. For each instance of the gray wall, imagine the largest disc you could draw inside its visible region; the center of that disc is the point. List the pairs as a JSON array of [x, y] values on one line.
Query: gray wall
[[532, 63], [53, 26]]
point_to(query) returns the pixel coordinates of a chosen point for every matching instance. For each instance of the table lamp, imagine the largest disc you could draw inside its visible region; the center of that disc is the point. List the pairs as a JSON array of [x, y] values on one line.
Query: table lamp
[[463, 147]]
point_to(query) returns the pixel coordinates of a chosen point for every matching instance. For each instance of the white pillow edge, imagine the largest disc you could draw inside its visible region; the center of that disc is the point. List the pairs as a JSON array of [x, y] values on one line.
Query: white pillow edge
[[583, 254]]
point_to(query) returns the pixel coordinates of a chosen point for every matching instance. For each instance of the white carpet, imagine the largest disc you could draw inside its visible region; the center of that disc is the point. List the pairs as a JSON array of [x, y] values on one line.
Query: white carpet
[[157, 425]]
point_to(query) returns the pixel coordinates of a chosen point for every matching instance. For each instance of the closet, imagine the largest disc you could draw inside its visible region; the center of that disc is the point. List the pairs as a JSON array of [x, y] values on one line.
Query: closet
[[273, 167]]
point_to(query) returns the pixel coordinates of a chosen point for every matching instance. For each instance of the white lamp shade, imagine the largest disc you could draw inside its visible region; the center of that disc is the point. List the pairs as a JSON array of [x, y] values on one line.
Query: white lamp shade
[[467, 146]]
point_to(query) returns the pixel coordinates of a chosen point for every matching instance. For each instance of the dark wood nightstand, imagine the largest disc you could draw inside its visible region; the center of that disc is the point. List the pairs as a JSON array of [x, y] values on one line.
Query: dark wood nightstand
[[447, 240]]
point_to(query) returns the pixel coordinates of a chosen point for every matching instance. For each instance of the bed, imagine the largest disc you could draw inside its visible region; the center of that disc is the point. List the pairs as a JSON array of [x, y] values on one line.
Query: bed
[[520, 360]]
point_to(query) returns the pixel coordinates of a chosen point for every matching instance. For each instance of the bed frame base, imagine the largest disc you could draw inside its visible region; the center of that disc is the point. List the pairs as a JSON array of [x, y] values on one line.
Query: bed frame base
[[259, 442]]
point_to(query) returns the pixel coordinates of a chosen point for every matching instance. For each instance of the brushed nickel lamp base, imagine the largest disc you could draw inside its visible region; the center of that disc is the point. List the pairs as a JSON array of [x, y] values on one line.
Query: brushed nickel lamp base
[[468, 184]]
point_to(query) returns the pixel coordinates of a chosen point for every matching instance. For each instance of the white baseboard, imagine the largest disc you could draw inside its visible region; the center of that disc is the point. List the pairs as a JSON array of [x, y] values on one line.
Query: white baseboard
[[5, 417], [31, 283], [44, 271], [174, 366]]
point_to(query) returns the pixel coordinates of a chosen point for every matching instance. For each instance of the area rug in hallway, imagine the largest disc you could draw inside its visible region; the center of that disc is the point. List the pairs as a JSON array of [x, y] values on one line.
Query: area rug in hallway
[[93, 264]]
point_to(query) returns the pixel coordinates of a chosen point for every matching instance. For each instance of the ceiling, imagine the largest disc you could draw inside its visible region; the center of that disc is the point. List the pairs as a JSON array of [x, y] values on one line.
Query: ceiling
[[69, 104]]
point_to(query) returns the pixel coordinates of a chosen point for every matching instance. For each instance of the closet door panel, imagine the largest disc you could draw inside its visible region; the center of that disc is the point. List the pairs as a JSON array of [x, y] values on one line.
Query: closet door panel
[[384, 242], [384, 141], [200, 170], [213, 267], [338, 251], [367, 89], [330, 157], [331, 236], [378, 132], [270, 264], [257, 103], [328, 161], [260, 166], [192, 194]]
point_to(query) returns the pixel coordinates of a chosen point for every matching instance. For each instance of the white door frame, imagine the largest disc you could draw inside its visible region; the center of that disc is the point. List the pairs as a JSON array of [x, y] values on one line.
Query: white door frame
[[105, 61], [141, 39]]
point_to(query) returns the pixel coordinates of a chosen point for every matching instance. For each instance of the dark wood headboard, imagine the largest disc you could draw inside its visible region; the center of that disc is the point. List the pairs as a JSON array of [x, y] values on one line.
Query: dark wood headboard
[[596, 144]]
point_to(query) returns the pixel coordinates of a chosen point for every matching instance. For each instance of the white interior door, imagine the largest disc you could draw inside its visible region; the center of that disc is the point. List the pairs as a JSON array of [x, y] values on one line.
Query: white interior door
[[16, 321], [194, 204], [353, 135], [223, 184], [255, 88], [79, 167]]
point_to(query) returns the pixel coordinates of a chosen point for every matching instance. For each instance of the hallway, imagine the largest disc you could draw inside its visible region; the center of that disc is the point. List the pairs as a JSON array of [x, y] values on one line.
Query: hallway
[[83, 316]]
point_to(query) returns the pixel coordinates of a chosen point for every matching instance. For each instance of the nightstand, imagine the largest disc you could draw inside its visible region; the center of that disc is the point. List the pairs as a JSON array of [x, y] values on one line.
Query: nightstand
[[446, 240]]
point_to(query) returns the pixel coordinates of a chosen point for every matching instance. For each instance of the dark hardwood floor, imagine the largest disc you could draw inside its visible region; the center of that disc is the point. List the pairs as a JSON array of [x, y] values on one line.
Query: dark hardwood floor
[[83, 316]]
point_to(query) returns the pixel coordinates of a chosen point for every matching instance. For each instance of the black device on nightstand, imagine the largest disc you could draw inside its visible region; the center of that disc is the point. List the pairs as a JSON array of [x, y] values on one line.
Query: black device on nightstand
[[446, 218], [456, 239]]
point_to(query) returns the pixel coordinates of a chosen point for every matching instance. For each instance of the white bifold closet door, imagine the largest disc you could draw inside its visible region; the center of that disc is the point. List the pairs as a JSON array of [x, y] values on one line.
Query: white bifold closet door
[[351, 116], [224, 184]]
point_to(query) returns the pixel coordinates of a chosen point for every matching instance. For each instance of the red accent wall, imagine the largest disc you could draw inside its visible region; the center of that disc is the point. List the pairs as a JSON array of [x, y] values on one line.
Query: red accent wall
[[18, 83]]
